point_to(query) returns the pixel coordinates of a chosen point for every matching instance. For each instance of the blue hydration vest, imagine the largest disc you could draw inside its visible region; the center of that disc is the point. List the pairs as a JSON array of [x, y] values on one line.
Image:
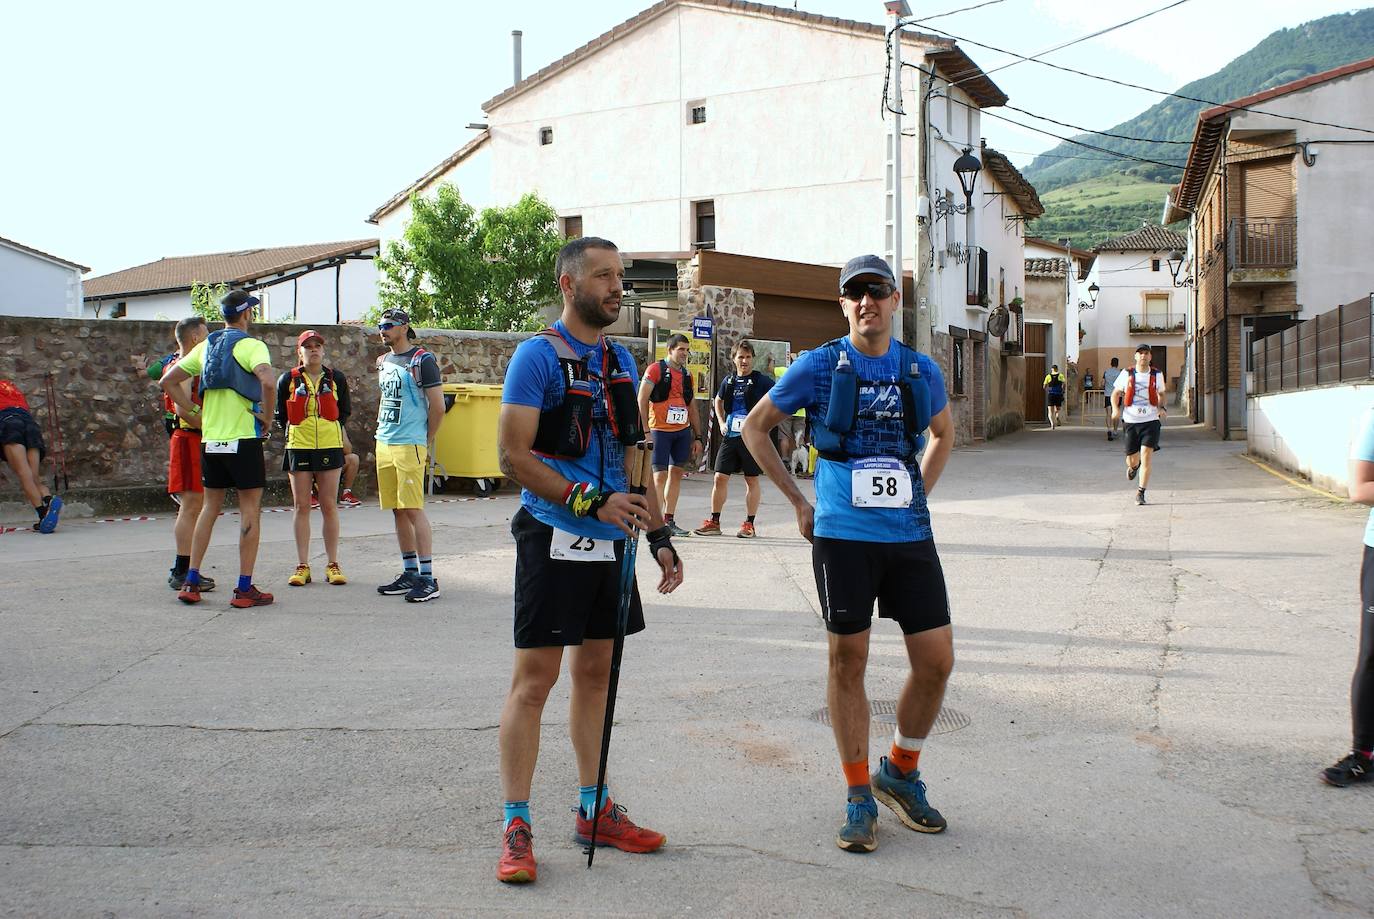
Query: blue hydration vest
[[832, 427], [221, 371]]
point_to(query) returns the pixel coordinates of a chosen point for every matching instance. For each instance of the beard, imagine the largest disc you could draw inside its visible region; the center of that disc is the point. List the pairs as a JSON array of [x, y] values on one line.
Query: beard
[[590, 310]]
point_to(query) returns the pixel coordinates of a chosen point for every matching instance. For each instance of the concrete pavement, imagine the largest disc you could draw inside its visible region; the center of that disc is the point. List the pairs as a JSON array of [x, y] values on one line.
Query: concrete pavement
[[1141, 701]]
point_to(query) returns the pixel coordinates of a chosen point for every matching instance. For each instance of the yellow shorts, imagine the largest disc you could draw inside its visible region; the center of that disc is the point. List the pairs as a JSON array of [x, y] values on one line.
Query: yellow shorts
[[401, 475]]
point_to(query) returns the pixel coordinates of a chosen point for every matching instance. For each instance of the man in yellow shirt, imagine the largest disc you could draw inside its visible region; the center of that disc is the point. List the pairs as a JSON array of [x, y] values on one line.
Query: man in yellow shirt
[[236, 385]]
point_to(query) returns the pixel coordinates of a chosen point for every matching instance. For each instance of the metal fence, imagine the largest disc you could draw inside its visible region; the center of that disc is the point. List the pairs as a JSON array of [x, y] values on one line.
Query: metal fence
[[1331, 348], [1270, 242]]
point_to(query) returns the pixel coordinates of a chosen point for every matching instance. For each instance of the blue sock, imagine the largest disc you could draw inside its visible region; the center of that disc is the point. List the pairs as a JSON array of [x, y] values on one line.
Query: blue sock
[[193, 576], [892, 770], [586, 799], [409, 563], [517, 809], [862, 791], [426, 566], [245, 583]]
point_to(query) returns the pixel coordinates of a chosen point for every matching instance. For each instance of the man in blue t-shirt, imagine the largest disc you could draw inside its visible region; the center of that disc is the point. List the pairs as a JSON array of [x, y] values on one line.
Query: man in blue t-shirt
[[1358, 765], [738, 393], [870, 534], [561, 428]]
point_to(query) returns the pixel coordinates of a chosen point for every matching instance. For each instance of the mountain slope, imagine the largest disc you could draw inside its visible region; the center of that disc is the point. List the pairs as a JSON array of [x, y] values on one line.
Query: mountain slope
[[1282, 57]]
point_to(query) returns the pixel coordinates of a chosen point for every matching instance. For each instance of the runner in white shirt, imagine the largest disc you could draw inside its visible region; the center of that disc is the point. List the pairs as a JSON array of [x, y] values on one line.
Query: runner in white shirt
[[1138, 399]]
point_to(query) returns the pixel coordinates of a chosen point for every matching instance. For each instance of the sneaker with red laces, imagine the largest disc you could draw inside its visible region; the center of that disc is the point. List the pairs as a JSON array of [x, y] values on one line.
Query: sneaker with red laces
[[190, 593], [314, 502], [617, 830], [348, 499], [708, 527], [244, 599], [746, 530], [517, 865]]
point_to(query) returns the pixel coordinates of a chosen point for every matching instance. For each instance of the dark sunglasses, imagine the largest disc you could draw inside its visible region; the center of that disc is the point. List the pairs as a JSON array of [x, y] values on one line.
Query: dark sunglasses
[[387, 326], [878, 290]]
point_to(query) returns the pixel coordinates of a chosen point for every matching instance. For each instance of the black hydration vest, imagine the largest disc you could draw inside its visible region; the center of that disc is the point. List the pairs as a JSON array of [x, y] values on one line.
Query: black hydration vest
[[565, 431], [664, 387]]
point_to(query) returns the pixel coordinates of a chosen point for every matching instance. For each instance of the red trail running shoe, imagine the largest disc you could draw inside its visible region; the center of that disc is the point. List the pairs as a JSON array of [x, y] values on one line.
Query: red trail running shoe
[[517, 865], [617, 830]]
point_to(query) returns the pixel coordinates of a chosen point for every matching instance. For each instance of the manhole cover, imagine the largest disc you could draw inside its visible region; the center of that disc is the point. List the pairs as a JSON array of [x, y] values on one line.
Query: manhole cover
[[885, 718]]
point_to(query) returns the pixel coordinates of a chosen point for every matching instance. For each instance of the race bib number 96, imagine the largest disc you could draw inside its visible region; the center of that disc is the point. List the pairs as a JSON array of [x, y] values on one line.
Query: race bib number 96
[[880, 482], [569, 547]]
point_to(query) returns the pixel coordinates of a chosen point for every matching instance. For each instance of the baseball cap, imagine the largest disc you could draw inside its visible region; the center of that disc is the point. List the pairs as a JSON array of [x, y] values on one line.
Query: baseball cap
[[400, 317], [865, 264], [237, 301], [307, 335]]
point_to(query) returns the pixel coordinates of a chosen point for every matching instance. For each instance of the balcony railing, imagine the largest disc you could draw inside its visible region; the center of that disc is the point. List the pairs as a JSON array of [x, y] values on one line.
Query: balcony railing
[[1158, 323], [1263, 243]]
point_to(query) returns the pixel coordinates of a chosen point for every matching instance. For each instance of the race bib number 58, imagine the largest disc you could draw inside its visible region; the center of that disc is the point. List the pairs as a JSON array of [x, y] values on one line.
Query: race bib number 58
[[880, 482], [569, 547]]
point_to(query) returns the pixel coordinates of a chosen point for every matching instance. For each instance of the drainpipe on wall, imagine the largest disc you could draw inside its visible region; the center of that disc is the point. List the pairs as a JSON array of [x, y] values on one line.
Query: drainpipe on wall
[[515, 47], [1225, 303]]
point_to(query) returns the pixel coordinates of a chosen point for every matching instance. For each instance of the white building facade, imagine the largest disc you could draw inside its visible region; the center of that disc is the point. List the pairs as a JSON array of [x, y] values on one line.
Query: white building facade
[[34, 283]]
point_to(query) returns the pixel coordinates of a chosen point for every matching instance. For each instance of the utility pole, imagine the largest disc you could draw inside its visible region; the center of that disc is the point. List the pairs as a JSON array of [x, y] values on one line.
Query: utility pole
[[896, 10]]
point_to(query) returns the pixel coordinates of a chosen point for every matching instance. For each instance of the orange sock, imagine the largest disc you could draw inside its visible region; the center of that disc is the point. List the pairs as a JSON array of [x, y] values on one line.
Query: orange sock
[[902, 758], [856, 773]]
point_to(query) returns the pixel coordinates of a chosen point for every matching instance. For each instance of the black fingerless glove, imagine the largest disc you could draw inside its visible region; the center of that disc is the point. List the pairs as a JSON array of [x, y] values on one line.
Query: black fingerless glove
[[662, 538]]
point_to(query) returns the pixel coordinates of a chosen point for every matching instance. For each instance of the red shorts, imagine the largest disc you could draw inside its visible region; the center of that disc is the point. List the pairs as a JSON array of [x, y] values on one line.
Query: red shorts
[[183, 462]]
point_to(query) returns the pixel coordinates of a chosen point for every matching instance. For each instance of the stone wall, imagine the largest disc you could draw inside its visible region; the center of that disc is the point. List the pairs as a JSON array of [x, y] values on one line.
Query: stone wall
[[731, 308], [111, 413]]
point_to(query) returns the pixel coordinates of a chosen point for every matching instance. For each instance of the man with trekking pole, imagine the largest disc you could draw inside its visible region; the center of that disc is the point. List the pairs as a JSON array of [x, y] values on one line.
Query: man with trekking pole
[[569, 433]]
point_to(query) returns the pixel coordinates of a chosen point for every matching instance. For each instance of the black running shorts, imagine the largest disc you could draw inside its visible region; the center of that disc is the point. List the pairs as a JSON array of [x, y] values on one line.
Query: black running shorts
[[561, 602], [1142, 434], [242, 469], [18, 427], [734, 457], [904, 577], [1054, 401], [312, 460]]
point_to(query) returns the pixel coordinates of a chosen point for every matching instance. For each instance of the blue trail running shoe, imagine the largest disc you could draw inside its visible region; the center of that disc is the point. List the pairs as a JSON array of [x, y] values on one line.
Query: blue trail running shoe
[[402, 585], [860, 830], [907, 798], [49, 521]]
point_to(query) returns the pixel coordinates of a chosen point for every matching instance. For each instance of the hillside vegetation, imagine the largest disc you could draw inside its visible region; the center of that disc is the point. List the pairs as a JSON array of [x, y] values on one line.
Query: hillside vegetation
[[1282, 57]]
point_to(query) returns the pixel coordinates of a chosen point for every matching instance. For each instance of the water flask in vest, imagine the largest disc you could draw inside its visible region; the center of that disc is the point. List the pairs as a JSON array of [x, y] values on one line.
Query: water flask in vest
[[844, 396]]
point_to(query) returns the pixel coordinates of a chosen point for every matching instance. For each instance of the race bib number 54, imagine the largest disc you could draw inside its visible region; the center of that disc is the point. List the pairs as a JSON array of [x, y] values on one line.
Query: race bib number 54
[[880, 482], [569, 547]]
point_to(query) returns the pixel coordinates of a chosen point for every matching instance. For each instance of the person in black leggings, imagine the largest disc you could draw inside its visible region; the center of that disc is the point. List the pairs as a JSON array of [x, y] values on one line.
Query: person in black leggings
[[1358, 764]]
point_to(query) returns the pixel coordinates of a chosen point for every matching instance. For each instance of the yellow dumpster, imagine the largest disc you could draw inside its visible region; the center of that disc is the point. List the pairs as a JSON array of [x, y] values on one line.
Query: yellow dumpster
[[465, 447]]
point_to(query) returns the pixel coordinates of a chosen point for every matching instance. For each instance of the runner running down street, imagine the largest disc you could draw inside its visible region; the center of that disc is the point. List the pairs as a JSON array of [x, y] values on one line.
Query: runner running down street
[[408, 418], [870, 399], [312, 407], [183, 458], [666, 403], [1357, 766], [737, 396], [236, 387], [21, 440], [1054, 396], [569, 410], [1138, 397]]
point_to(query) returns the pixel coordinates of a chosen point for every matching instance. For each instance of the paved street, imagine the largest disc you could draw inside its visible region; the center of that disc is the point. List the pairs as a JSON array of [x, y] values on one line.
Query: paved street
[[1141, 701]]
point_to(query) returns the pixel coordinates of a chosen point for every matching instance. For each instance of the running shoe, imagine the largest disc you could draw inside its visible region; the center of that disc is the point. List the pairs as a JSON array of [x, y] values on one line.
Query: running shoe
[[746, 530], [301, 577], [190, 593], [422, 590], [617, 830], [1109, 436], [314, 502], [401, 585], [517, 865], [860, 830], [1131, 470], [906, 797], [1353, 768], [246, 599], [1140, 496], [708, 528], [334, 574], [677, 530], [50, 515], [348, 499], [177, 581]]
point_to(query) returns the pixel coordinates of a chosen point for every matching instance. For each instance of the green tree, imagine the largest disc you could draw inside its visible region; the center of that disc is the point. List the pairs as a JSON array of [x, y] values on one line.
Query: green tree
[[454, 268], [205, 300]]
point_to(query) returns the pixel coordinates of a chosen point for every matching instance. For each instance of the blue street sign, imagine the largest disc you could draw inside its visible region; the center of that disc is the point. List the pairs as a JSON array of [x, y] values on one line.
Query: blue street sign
[[702, 327]]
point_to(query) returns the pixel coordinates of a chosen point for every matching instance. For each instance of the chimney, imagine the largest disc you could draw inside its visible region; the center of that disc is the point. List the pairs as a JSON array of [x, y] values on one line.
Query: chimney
[[515, 44]]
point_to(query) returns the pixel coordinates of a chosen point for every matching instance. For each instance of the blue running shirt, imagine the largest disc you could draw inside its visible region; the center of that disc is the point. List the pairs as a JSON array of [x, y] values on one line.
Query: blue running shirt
[[533, 379], [878, 431], [1362, 448]]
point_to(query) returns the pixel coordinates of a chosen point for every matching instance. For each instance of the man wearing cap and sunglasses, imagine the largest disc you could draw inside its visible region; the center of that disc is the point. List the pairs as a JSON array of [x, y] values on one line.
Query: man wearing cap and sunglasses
[[872, 403], [408, 417], [236, 386]]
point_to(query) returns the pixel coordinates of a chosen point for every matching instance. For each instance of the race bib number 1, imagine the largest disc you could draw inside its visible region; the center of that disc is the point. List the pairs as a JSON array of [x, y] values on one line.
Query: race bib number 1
[[221, 446], [677, 414], [880, 482], [569, 547], [736, 424]]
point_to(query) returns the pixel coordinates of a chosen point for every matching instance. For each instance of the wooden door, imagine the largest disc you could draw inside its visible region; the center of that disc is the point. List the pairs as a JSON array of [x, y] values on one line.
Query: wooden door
[[1037, 337]]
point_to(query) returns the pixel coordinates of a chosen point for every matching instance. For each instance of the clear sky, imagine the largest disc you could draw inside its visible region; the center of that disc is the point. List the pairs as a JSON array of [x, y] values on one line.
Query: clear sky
[[144, 129]]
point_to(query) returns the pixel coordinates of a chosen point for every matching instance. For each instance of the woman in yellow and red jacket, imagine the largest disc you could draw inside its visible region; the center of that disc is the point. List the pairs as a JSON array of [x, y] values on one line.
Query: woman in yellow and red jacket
[[312, 406]]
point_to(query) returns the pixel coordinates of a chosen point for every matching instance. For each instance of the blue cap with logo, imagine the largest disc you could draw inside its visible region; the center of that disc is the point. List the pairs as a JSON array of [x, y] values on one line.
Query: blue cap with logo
[[237, 301], [865, 264]]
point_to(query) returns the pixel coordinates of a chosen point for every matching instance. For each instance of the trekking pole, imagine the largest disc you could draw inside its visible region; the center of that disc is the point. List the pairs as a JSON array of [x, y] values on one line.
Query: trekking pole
[[638, 477], [55, 437]]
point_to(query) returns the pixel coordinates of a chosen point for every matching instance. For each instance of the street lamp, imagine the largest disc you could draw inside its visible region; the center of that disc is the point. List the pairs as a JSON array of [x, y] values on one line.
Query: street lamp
[[966, 167], [1176, 259]]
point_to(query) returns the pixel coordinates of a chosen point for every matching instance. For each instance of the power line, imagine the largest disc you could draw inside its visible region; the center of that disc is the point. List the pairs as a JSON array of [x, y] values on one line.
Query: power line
[[1065, 124], [977, 6], [1148, 89], [1079, 143]]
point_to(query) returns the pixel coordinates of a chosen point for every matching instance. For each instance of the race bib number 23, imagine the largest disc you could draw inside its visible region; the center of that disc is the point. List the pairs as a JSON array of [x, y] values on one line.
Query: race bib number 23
[[880, 482], [570, 547]]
